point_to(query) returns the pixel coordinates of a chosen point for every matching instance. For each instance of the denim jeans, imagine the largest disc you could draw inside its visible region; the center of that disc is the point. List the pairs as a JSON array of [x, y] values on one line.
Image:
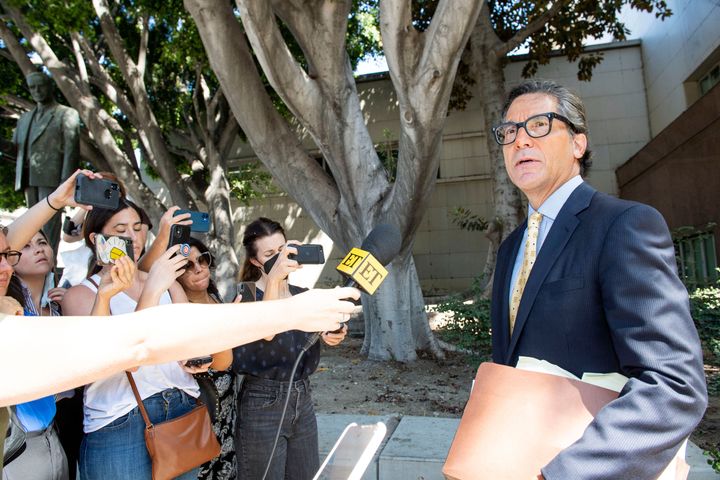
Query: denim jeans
[[261, 403], [117, 451]]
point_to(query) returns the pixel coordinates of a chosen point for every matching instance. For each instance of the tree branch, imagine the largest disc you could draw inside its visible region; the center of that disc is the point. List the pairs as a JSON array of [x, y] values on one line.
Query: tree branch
[[285, 75], [144, 36], [102, 80], [503, 48], [18, 53]]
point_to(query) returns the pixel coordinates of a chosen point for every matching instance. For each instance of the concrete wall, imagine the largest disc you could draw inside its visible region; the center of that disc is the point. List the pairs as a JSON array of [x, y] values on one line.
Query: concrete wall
[[676, 52]]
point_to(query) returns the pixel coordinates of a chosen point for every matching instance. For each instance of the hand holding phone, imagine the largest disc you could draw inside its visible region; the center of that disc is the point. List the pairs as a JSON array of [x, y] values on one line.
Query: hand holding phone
[[97, 192], [200, 220], [109, 249]]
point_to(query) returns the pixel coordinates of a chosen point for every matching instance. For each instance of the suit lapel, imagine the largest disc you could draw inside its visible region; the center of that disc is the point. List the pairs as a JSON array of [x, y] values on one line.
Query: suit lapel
[[504, 276], [38, 127], [561, 231]]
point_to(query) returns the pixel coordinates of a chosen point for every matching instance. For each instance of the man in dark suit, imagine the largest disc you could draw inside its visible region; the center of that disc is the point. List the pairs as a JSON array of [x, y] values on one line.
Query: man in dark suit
[[48, 147], [590, 284]]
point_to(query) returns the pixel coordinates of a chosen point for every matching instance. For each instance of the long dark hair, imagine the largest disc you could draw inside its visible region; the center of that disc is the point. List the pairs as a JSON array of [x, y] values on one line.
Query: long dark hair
[[260, 228], [202, 248]]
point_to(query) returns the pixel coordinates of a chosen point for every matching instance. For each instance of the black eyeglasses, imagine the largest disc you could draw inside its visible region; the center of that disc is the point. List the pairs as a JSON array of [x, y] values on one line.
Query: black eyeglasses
[[536, 126], [204, 260], [11, 256]]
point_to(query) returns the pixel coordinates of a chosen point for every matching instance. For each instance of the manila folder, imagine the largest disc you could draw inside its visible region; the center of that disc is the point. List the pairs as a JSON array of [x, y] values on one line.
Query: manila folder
[[517, 421]]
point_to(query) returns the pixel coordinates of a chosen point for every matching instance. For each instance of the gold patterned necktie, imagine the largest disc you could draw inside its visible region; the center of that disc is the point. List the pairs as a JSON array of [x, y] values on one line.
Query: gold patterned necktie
[[533, 229]]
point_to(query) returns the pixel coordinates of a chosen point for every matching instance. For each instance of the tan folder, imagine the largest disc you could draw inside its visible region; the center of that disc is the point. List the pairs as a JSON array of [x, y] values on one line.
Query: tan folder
[[516, 421]]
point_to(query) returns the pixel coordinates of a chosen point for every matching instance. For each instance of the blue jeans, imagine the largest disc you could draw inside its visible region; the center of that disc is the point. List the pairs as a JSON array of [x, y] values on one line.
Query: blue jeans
[[261, 404], [118, 452]]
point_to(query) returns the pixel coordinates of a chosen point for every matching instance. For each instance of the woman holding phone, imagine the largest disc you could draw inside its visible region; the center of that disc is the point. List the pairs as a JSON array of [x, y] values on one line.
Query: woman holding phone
[[199, 287], [267, 366], [114, 444]]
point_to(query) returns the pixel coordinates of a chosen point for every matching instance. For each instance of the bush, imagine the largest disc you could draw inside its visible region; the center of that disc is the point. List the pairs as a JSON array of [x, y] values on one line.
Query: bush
[[469, 325], [705, 308]]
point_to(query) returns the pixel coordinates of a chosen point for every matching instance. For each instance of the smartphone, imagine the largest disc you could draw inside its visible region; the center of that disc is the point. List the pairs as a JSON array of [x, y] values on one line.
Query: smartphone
[[109, 249], [97, 192], [247, 291], [199, 361], [352, 453], [180, 235], [309, 254], [200, 220]]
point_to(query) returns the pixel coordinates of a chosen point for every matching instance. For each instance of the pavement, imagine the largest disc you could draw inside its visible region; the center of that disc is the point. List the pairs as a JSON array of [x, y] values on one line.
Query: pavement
[[415, 448]]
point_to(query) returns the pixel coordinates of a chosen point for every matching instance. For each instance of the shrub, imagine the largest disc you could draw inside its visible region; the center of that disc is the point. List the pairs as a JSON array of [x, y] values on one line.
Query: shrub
[[469, 325]]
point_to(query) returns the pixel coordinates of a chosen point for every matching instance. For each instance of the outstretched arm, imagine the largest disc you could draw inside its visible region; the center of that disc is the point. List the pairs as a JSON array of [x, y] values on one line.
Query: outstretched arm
[[65, 352]]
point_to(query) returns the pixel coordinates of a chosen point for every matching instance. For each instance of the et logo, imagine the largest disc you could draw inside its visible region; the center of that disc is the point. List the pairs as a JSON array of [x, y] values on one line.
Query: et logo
[[362, 267]]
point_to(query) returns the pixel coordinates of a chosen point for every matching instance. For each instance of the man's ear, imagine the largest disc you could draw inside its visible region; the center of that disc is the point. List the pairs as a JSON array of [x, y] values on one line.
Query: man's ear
[[579, 141]]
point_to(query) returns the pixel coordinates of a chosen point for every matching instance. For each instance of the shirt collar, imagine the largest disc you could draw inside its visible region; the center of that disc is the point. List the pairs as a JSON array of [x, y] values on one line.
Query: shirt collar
[[551, 207]]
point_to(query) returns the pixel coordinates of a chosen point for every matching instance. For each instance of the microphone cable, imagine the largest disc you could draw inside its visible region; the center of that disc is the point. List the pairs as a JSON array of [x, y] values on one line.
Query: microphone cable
[[308, 343]]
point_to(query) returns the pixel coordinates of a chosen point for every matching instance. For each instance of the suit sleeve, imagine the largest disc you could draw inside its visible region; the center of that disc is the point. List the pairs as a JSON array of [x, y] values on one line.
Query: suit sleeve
[[71, 143], [657, 345]]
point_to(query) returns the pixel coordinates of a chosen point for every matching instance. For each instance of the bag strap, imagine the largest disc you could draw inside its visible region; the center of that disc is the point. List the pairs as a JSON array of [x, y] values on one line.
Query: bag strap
[[141, 406]]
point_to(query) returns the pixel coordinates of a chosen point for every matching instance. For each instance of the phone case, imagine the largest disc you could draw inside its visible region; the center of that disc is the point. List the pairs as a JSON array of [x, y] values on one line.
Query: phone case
[[107, 250], [180, 235], [201, 220], [97, 192], [247, 291], [308, 254]]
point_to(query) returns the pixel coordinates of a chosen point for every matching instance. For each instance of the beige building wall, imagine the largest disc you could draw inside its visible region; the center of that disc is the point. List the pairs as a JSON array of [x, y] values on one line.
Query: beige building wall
[[446, 257], [677, 52]]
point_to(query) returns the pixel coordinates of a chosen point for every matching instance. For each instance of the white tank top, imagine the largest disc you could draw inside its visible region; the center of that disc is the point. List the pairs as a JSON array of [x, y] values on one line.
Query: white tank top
[[112, 397]]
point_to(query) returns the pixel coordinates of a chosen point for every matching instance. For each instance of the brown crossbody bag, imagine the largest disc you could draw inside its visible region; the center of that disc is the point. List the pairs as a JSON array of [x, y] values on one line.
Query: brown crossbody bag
[[178, 445]]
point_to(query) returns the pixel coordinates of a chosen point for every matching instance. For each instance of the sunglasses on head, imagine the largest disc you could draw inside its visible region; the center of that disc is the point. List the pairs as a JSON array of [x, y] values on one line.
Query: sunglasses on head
[[204, 260]]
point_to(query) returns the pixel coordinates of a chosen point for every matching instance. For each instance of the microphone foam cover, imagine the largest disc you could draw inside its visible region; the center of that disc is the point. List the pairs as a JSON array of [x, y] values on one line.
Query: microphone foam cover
[[383, 242]]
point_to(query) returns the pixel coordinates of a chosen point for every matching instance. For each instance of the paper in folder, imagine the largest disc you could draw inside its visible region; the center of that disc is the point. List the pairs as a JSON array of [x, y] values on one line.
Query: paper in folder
[[516, 421]]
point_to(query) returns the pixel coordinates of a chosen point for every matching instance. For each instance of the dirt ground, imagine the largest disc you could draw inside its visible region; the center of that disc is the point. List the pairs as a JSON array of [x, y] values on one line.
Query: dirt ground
[[348, 383]]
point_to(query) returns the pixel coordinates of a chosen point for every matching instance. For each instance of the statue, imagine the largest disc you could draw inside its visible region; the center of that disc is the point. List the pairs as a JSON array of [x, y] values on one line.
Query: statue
[[47, 139]]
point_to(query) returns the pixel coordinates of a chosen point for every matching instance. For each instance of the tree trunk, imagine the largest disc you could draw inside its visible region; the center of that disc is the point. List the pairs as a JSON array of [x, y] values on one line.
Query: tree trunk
[[488, 68], [323, 98]]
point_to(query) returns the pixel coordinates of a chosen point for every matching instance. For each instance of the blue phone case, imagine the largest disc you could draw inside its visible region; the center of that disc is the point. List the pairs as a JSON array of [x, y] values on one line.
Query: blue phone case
[[201, 220]]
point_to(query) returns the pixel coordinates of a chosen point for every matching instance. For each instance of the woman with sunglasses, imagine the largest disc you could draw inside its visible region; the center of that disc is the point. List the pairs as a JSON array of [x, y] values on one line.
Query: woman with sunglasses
[[217, 383]]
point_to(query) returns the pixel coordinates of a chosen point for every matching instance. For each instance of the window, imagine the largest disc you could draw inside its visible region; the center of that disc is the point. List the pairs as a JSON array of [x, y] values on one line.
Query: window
[[696, 257], [710, 79]]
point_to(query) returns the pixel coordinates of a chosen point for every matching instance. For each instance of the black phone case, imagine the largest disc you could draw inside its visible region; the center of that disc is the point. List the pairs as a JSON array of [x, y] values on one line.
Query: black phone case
[[308, 254], [179, 234], [97, 192]]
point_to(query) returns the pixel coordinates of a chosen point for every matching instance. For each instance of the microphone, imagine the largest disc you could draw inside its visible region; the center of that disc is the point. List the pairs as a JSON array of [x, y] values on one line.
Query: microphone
[[364, 267]]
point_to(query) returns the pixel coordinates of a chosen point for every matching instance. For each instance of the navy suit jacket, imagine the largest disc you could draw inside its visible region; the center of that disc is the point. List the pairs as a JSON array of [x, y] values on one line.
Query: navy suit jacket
[[604, 296]]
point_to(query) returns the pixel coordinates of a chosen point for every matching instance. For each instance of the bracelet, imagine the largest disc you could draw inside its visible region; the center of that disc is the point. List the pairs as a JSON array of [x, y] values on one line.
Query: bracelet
[[47, 199]]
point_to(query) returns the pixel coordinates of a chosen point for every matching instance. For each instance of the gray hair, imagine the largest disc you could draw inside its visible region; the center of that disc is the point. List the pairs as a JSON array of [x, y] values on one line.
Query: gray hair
[[45, 78], [569, 105]]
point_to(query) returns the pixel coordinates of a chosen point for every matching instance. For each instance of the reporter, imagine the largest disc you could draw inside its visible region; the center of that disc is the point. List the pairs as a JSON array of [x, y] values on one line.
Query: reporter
[[267, 365]]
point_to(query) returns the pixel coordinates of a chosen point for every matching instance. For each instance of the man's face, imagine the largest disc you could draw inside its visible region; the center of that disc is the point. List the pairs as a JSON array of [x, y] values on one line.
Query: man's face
[[40, 88], [538, 166]]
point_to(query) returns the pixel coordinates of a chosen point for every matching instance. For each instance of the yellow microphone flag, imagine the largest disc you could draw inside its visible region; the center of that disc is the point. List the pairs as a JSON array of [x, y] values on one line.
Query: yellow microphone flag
[[364, 269]]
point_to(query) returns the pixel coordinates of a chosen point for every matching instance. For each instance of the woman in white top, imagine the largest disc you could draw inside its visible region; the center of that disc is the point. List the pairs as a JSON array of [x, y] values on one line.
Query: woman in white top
[[114, 445]]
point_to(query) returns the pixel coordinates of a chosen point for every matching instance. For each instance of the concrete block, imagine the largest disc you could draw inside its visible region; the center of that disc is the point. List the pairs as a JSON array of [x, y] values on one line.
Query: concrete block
[[417, 449], [699, 468]]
